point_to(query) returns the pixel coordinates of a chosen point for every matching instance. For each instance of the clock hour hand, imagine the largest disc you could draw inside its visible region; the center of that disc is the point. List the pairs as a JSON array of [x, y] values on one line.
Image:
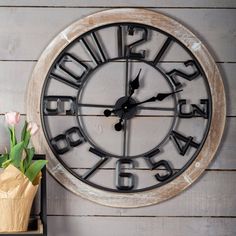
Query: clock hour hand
[[134, 84]]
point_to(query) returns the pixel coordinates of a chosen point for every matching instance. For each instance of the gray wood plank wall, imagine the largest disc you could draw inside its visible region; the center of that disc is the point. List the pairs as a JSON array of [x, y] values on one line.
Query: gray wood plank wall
[[209, 206]]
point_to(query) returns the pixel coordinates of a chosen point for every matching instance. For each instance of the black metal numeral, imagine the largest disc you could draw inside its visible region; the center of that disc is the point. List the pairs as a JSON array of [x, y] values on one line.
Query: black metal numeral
[[129, 50], [179, 139], [176, 73], [149, 159], [102, 160], [59, 105], [124, 180], [168, 169], [97, 55], [120, 41], [155, 164], [195, 109], [70, 78], [162, 51], [64, 142]]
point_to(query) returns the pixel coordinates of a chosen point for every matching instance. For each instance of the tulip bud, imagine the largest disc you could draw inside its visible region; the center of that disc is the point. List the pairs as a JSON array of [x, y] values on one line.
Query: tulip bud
[[12, 118], [32, 128]]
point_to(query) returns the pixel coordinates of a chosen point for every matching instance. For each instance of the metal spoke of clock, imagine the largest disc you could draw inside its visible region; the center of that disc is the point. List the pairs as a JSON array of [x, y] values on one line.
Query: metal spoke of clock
[[126, 76], [157, 108], [94, 105]]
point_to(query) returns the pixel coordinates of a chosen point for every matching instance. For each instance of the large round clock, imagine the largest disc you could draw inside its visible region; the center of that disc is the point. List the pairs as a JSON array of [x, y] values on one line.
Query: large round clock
[[131, 104]]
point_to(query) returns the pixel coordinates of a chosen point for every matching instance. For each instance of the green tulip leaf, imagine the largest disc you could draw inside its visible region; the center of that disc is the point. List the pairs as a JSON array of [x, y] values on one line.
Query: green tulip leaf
[[6, 164], [34, 169], [24, 130], [3, 158], [29, 156], [16, 154]]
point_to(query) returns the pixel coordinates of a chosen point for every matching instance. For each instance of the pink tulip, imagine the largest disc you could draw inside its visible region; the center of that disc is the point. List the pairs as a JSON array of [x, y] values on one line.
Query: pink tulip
[[32, 128], [12, 118]]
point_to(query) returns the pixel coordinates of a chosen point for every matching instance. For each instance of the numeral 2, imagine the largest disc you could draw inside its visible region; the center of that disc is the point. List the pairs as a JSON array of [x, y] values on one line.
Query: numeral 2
[[176, 73]]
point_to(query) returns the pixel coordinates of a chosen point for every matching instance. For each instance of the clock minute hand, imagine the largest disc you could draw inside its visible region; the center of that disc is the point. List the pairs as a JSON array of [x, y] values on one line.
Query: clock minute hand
[[159, 97]]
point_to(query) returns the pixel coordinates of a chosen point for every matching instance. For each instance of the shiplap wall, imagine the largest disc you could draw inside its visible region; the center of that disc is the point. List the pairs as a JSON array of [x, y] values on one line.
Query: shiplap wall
[[206, 208]]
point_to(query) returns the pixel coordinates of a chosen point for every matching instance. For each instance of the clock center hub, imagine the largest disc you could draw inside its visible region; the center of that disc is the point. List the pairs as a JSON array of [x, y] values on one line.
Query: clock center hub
[[124, 108]]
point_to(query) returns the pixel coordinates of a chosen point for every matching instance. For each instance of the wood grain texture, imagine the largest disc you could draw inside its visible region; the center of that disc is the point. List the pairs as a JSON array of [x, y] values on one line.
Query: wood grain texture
[[216, 89], [22, 29], [133, 226], [123, 3]]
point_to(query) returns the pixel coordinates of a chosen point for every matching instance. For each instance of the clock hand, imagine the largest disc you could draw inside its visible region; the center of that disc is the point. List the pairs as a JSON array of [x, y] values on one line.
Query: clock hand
[[118, 126], [134, 84], [159, 97], [126, 106]]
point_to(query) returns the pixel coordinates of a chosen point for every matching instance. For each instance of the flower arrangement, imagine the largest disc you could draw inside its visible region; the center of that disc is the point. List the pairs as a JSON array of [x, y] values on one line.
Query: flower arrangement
[[20, 155], [19, 181]]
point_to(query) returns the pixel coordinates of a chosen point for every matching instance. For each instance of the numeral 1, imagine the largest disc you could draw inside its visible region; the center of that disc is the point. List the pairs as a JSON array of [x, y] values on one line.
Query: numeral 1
[[64, 142], [102, 160], [195, 109], [162, 51], [179, 139], [124, 180], [97, 55], [59, 105], [176, 73]]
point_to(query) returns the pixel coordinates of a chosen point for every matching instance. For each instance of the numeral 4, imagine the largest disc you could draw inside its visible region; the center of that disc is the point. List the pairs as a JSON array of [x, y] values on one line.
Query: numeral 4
[[183, 143]]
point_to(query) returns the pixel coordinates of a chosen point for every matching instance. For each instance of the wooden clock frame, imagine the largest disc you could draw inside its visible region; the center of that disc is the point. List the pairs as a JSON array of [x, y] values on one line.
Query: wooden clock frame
[[217, 92]]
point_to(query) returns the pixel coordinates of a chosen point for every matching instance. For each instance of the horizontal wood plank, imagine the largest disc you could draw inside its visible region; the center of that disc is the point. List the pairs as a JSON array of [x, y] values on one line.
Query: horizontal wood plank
[[213, 195], [225, 158], [22, 28], [13, 72], [140, 226], [123, 3]]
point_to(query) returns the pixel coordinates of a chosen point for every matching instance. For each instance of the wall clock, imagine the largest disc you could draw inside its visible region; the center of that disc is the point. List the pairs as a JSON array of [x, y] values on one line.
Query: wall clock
[[131, 104]]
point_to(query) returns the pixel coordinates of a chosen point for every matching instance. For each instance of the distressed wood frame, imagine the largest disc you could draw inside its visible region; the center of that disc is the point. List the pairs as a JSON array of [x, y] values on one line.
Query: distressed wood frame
[[209, 67]]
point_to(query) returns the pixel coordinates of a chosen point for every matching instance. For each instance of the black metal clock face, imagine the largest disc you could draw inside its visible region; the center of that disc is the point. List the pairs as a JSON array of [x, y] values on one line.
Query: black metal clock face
[[118, 111]]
